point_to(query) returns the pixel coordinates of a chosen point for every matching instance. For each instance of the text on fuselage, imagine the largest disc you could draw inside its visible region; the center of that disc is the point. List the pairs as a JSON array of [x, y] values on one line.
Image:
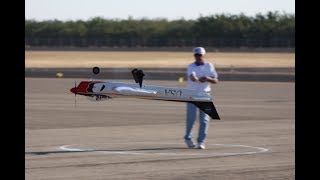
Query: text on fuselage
[[171, 92]]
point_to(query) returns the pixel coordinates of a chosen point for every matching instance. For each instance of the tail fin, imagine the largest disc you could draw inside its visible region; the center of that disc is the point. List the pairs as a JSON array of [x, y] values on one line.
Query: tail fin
[[208, 108]]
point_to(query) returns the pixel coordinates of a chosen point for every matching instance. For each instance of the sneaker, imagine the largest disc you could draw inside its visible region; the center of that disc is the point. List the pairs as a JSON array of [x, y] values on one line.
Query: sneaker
[[201, 146], [189, 143]]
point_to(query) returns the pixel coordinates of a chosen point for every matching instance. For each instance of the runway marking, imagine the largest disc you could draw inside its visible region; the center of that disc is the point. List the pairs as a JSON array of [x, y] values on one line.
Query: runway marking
[[257, 150]]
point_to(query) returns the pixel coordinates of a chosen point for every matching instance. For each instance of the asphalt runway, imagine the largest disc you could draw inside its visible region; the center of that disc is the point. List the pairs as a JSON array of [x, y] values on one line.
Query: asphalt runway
[[142, 139]]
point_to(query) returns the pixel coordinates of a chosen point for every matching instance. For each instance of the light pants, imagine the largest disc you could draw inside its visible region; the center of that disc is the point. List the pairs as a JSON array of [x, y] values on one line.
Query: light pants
[[204, 123]]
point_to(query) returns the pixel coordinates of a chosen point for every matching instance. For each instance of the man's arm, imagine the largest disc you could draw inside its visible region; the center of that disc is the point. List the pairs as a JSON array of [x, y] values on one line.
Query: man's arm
[[212, 80], [209, 79], [213, 77], [194, 78], [192, 75]]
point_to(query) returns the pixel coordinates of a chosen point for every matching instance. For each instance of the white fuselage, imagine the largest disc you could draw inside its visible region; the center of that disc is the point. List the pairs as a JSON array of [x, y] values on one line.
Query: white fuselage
[[98, 91], [121, 89]]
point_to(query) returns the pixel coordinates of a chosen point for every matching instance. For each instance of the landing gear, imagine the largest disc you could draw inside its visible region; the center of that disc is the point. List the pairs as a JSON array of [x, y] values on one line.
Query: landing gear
[[98, 97]]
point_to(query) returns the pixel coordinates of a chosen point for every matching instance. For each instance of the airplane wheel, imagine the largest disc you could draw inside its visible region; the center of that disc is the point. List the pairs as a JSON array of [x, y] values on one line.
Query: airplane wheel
[[96, 70]]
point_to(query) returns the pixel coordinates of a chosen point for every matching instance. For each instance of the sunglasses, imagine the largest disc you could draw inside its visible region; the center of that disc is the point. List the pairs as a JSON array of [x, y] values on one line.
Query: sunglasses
[[199, 55]]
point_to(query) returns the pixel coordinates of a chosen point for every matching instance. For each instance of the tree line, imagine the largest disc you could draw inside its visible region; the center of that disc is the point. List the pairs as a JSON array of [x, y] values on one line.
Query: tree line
[[272, 29]]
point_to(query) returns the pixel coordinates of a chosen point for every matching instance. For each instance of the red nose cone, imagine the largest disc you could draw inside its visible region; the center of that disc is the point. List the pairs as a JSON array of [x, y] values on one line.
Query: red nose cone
[[81, 89], [73, 90]]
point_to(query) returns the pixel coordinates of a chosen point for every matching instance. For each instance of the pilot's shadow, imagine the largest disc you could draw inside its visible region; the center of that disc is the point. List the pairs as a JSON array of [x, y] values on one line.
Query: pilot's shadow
[[114, 150]]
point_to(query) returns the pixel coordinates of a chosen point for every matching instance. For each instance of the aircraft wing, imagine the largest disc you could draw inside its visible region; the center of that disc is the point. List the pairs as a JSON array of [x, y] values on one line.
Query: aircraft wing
[[134, 91]]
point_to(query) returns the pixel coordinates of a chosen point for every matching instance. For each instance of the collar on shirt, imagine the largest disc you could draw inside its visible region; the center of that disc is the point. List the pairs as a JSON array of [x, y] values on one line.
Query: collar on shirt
[[198, 64]]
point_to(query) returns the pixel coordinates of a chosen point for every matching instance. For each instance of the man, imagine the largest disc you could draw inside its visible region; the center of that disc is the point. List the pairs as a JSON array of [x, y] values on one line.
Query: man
[[200, 75]]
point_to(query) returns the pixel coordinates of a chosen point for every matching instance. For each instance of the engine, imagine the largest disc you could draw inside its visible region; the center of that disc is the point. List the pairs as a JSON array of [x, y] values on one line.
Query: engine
[[98, 97]]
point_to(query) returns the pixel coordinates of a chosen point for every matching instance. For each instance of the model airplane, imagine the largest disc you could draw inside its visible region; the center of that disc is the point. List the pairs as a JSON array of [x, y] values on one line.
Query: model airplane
[[98, 90]]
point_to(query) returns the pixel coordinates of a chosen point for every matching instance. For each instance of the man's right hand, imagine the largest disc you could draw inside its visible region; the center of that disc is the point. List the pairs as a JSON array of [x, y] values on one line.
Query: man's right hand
[[194, 78]]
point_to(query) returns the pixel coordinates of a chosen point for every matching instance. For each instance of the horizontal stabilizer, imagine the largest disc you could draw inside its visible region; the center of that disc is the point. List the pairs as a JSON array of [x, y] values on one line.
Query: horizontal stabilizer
[[208, 108]]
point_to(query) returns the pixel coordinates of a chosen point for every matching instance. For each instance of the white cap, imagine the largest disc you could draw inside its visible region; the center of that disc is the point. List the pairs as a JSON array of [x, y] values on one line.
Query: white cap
[[199, 50]]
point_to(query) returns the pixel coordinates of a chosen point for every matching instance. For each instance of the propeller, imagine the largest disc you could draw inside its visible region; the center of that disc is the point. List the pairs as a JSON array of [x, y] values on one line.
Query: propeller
[[75, 94]]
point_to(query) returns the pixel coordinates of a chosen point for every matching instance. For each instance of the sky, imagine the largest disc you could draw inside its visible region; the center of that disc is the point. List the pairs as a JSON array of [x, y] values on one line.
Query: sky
[[169, 9]]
